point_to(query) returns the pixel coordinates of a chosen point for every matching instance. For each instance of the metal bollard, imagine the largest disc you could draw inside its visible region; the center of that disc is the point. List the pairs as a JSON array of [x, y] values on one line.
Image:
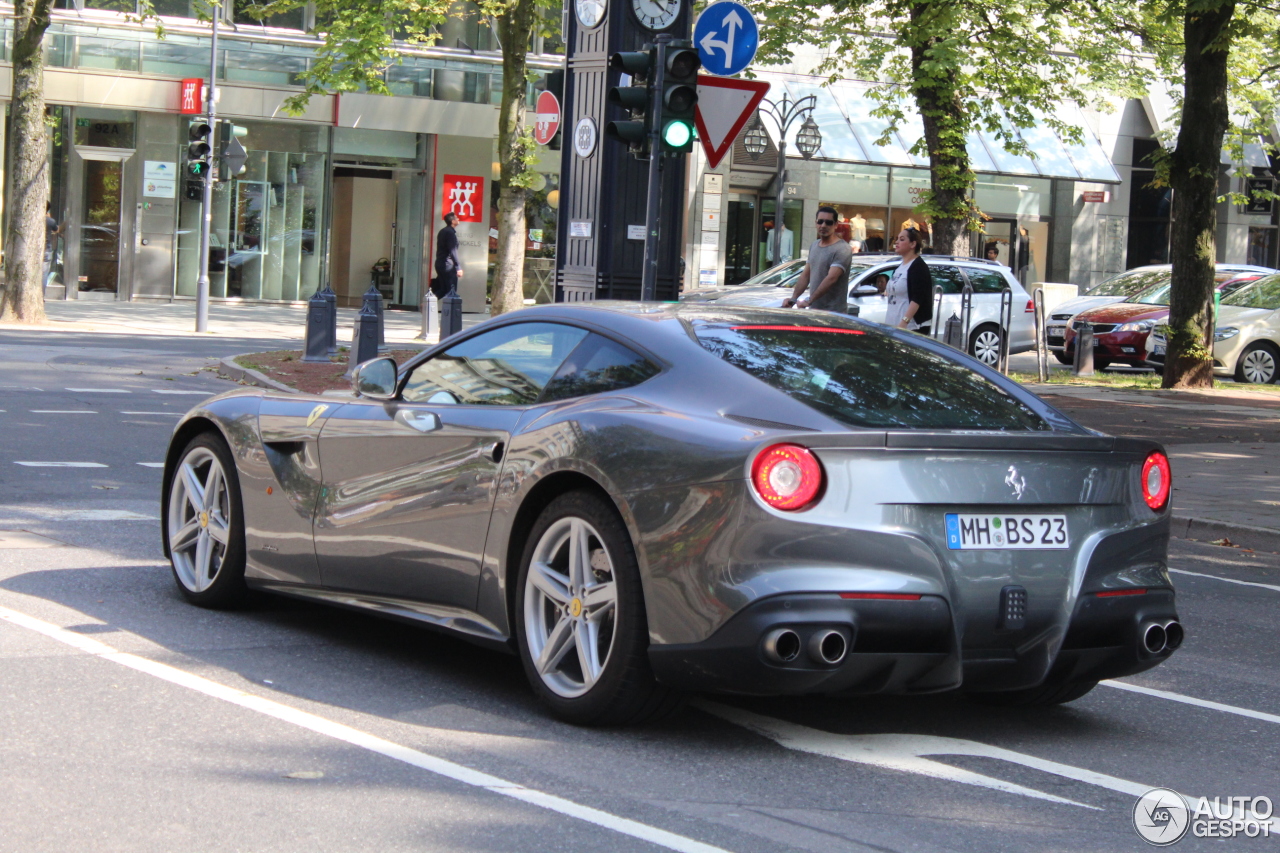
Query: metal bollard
[[364, 338], [431, 322], [1083, 364], [953, 336], [373, 297], [332, 299], [450, 315], [1042, 344], [317, 346]]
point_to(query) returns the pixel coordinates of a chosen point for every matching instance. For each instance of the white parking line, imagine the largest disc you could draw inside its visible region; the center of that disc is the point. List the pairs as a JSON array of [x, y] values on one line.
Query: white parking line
[[98, 390], [61, 464], [151, 464], [364, 740], [62, 412], [1191, 700], [1227, 580], [193, 393]]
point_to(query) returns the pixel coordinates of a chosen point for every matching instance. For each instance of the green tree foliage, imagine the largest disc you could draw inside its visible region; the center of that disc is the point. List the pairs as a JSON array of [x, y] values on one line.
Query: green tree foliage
[[361, 40], [1220, 59], [962, 66]]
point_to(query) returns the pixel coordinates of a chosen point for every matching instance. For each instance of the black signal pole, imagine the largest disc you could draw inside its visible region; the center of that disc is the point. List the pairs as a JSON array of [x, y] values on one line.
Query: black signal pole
[[649, 275]]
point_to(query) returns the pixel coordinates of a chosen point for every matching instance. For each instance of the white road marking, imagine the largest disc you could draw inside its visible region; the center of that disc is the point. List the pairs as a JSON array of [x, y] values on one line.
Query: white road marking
[[195, 393], [98, 390], [170, 414], [1227, 580], [364, 740], [1191, 700], [61, 464], [62, 412], [906, 753], [151, 464]]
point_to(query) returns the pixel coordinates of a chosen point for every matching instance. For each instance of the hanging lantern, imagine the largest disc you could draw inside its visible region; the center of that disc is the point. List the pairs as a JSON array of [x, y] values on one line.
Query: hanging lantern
[[756, 141], [809, 138]]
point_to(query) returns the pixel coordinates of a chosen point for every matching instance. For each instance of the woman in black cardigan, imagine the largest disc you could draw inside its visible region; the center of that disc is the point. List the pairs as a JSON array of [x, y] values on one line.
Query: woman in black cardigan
[[910, 290]]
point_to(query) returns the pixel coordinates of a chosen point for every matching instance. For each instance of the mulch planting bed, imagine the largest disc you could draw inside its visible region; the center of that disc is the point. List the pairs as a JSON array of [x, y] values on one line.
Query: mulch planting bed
[[288, 367]]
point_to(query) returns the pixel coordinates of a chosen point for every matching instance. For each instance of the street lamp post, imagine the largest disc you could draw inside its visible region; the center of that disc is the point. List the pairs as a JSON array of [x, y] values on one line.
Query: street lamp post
[[808, 139]]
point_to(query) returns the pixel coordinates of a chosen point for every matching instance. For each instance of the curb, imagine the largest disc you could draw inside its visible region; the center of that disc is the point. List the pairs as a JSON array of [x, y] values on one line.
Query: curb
[[1206, 530], [248, 376]]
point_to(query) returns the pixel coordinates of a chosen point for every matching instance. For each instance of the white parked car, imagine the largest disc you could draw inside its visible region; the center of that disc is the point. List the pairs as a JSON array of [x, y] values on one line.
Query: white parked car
[[1246, 341], [1123, 288], [951, 273]]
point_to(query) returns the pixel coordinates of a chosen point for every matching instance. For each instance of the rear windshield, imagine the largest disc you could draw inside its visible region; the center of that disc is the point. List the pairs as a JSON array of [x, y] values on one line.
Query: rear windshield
[[867, 379]]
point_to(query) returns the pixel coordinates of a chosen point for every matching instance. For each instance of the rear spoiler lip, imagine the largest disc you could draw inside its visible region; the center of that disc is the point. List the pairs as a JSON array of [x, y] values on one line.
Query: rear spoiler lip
[[965, 440]]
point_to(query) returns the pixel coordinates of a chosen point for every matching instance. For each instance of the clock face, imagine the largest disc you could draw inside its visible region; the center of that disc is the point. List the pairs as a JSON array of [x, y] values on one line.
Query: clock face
[[590, 12], [656, 14]]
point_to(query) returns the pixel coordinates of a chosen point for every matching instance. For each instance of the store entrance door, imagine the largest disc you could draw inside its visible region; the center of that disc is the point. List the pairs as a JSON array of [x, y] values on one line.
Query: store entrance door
[[1020, 245], [741, 221], [100, 228]]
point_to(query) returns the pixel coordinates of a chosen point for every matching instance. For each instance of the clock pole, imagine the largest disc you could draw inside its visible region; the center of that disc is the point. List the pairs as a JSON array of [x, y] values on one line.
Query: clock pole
[[649, 275]]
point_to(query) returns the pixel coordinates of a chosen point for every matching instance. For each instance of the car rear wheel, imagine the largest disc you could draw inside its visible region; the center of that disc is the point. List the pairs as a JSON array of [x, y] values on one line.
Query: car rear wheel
[[204, 529], [1062, 357], [1257, 364], [984, 344], [1050, 693], [580, 618]]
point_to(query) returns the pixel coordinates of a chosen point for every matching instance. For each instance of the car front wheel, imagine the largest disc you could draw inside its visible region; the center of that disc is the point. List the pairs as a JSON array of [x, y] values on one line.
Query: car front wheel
[[580, 617], [204, 527], [1257, 364]]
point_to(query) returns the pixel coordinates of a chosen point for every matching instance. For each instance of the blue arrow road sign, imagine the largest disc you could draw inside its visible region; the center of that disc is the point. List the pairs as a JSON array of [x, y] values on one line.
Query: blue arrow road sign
[[727, 37]]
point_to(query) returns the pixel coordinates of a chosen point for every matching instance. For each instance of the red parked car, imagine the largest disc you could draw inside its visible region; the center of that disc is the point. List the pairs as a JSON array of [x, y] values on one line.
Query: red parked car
[[1120, 329]]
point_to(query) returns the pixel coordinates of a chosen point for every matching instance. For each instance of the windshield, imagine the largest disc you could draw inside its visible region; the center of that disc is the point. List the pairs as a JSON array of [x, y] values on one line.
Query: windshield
[[1160, 295], [779, 276], [868, 379], [1263, 293], [1129, 283]]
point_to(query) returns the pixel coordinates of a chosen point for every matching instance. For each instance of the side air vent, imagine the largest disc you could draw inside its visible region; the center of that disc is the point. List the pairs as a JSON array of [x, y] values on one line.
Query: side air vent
[[764, 424]]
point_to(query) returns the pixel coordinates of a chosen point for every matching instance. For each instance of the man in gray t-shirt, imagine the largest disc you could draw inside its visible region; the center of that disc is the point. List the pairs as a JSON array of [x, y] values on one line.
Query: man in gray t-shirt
[[827, 267]]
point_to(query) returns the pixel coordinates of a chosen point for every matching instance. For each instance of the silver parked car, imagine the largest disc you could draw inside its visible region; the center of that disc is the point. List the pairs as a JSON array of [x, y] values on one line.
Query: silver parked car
[[645, 499], [951, 273]]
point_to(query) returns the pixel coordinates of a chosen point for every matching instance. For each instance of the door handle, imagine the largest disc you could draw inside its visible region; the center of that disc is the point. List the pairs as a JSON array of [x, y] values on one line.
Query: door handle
[[421, 421]]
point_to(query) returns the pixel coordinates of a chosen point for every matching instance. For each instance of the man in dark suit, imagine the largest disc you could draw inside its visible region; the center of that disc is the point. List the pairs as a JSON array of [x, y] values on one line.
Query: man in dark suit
[[448, 267]]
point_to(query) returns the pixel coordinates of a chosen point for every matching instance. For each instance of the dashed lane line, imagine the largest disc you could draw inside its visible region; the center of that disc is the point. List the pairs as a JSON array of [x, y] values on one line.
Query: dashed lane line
[[364, 740], [61, 464], [1226, 580], [170, 414], [190, 393], [151, 464], [62, 412], [1191, 700], [97, 390]]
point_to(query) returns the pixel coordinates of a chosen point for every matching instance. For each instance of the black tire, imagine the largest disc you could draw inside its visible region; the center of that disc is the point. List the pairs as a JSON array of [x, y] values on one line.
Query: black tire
[[1044, 696], [1101, 363], [625, 692], [1062, 357], [985, 342], [1258, 364], [226, 588]]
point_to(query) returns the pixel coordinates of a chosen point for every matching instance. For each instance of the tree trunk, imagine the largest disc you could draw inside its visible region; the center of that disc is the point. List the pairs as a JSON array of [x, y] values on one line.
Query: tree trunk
[[515, 28], [951, 177], [1193, 174], [28, 164]]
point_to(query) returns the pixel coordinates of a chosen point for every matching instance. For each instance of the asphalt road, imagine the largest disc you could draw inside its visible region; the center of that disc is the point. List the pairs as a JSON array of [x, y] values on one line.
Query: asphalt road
[[133, 721]]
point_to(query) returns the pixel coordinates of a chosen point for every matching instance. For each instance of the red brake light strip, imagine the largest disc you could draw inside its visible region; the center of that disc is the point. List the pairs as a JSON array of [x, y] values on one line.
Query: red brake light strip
[[1113, 593]]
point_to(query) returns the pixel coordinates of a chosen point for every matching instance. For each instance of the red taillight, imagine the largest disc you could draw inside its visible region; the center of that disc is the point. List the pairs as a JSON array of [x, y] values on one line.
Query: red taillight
[[882, 596], [1115, 593], [1031, 306], [1156, 480], [787, 476]]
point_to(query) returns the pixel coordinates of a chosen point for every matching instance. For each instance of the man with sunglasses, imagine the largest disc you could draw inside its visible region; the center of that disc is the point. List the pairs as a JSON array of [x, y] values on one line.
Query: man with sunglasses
[[828, 265]]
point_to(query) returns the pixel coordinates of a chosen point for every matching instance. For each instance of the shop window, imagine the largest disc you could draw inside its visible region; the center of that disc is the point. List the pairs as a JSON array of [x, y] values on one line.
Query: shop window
[[104, 128], [862, 225], [1262, 247]]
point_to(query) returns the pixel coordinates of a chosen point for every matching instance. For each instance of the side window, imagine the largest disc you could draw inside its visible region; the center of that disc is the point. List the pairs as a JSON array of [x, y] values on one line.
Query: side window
[[506, 367], [598, 365], [986, 281], [948, 278], [867, 285]]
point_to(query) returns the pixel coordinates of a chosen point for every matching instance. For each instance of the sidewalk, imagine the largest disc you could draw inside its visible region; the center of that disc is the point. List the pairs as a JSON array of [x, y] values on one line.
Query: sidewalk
[[278, 322], [1222, 444]]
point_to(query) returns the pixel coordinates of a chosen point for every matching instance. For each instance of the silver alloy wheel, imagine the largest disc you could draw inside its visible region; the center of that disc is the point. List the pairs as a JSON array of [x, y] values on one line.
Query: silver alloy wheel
[[986, 347], [570, 605], [1259, 366], [199, 519]]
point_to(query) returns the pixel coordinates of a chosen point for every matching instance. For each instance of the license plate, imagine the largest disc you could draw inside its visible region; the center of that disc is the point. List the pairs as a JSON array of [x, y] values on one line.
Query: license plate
[[967, 532], [1159, 349], [1057, 330]]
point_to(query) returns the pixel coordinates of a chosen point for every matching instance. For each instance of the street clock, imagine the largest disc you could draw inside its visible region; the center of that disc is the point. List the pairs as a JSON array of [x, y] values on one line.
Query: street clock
[[656, 14], [590, 12]]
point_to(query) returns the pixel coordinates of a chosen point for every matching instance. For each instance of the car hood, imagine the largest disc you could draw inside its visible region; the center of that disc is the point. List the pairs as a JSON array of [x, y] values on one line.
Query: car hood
[[1124, 312], [1238, 315], [1082, 303]]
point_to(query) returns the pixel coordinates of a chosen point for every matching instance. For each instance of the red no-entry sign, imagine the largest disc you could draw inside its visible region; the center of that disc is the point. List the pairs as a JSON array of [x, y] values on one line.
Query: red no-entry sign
[[546, 118]]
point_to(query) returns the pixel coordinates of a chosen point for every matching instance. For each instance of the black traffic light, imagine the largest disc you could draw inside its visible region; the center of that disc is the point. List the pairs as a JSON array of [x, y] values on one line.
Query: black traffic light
[[200, 136], [231, 153], [679, 97], [636, 99]]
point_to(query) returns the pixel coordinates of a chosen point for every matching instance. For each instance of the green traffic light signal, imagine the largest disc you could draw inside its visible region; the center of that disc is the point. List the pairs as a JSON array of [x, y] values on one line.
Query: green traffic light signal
[[677, 134], [679, 97]]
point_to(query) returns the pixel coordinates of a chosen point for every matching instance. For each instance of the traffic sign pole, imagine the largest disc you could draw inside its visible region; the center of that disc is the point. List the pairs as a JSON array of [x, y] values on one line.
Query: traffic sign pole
[[649, 275]]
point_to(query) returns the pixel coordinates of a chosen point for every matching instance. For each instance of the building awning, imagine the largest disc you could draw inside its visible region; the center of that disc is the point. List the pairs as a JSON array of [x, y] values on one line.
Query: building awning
[[850, 133]]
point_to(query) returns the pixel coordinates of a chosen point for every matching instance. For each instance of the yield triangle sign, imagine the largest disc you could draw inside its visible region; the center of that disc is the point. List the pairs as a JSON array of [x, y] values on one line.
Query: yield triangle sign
[[725, 105]]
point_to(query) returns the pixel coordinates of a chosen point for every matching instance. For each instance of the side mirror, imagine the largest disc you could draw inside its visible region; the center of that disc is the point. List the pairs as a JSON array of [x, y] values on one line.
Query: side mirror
[[864, 291], [375, 379]]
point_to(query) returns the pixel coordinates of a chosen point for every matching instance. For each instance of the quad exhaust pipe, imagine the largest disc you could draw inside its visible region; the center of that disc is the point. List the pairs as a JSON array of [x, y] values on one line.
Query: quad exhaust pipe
[[826, 646], [1160, 637], [782, 645]]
